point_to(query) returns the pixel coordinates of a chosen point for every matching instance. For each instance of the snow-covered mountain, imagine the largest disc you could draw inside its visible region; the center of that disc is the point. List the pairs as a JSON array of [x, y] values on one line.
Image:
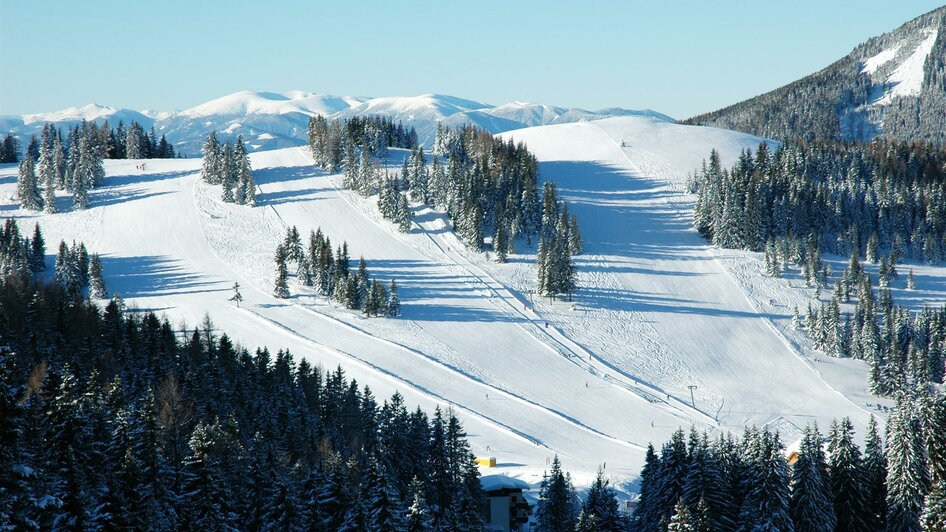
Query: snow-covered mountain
[[661, 314], [271, 120], [892, 85]]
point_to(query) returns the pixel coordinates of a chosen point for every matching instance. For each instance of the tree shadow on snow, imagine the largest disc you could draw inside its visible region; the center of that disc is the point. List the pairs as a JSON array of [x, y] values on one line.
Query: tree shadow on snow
[[143, 177], [107, 197], [151, 276], [288, 196], [623, 213], [282, 174]]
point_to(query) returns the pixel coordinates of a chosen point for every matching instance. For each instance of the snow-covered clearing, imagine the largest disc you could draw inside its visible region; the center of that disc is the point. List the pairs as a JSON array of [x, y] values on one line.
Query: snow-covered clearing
[[907, 78], [593, 380]]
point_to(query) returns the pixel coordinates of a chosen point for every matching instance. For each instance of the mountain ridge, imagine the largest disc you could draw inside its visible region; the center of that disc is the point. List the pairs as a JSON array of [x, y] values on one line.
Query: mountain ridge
[[272, 120], [891, 85]]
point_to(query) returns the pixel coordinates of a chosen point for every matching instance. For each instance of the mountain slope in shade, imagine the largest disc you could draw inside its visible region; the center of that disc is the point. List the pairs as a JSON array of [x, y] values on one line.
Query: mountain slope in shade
[[269, 120], [892, 85]]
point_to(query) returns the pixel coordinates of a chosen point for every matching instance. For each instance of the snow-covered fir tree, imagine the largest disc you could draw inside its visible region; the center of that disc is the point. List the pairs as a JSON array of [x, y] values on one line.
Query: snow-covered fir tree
[[811, 505], [907, 473], [845, 469], [556, 509], [212, 164], [682, 520], [27, 189], [96, 278], [281, 282]]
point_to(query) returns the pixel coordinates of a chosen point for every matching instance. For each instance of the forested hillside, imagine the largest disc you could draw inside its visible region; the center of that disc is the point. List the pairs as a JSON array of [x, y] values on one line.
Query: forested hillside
[[114, 419], [893, 86]]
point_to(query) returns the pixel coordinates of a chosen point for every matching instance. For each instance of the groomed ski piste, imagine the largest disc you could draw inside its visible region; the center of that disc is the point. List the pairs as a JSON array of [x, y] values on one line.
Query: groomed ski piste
[[593, 380]]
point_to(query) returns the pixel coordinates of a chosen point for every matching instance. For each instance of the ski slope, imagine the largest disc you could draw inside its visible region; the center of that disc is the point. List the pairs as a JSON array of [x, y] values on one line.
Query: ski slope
[[592, 380]]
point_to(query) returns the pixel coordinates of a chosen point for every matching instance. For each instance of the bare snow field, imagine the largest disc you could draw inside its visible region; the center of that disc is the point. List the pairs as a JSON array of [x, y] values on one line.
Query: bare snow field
[[594, 380]]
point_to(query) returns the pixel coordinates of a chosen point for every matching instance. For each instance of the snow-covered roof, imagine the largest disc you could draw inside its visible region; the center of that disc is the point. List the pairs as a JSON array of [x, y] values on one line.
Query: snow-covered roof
[[498, 482]]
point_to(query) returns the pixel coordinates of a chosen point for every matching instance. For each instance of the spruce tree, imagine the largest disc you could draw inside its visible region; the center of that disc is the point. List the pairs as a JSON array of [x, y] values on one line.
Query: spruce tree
[[212, 166], [847, 482], [96, 280], [907, 480], [229, 173], [37, 258], [394, 303], [934, 509], [26, 187], [766, 505], [682, 519], [500, 243], [810, 505], [556, 509], [418, 515], [602, 505], [281, 284]]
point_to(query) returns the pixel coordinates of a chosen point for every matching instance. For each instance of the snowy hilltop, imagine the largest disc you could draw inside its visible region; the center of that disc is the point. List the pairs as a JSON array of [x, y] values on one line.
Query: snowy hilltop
[[271, 120]]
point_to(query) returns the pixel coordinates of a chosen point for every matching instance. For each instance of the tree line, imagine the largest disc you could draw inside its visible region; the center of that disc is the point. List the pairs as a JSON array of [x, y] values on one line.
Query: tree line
[[826, 484], [330, 274], [114, 419], [882, 197], [121, 142]]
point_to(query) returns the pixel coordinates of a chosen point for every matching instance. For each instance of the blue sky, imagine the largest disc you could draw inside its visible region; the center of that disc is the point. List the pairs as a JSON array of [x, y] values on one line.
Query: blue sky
[[679, 57]]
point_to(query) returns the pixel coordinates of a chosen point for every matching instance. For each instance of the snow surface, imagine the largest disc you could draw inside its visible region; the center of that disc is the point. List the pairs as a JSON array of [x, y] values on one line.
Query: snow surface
[[872, 63], [592, 380], [498, 482], [270, 103], [89, 112], [907, 78]]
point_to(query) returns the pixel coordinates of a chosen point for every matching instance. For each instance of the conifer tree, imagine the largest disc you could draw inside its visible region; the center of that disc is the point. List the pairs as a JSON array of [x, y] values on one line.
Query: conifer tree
[[682, 519], [766, 505], [934, 511], [646, 517], [847, 483], [229, 175], [26, 187], [394, 303], [810, 506], [586, 523], [556, 509], [907, 480], [37, 258], [602, 505], [418, 515], [500, 243], [212, 166], [403, 214], [281, 284], [96, 280]]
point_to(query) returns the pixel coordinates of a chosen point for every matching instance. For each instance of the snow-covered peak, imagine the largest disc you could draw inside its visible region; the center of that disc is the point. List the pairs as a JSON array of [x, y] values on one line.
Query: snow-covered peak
[[91, 111], [269, 103], [426, 105]]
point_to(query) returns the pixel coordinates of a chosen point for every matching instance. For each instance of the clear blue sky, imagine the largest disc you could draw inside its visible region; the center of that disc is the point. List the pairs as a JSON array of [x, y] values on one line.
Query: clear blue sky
[[678, 57]]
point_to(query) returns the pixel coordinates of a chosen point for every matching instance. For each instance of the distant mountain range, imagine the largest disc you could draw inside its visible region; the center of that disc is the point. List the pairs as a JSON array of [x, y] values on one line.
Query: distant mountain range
[[270, 120], [893, 85]]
